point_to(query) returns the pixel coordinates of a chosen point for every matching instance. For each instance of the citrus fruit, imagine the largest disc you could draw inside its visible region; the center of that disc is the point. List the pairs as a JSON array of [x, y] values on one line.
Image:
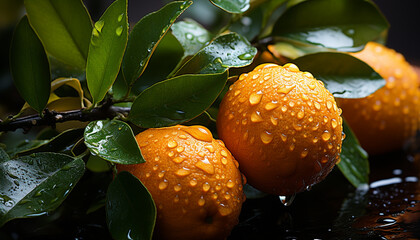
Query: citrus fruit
[[387, 118], [193, 179], [282, 126]]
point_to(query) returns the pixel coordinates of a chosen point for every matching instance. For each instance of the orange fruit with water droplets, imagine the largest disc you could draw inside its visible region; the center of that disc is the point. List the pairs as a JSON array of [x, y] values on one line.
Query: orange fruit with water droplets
[[193, 179], [386, 119], [283, 126]]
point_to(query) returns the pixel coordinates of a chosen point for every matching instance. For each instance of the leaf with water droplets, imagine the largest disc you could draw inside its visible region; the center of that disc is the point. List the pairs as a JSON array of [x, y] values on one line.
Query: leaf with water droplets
[[343, 75], [226, 51], [176, 100], [232, 6], [332, 23], [354, 162], [113, 141], [191, 35], [37, 184], [136, 221], [61, 142], [106, 49], [64, 27], [146, 35], [29, 66]]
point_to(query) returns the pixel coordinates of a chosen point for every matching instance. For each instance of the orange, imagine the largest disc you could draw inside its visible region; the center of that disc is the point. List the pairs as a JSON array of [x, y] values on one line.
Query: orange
[[386, 119], [193, 179], [282, 126]]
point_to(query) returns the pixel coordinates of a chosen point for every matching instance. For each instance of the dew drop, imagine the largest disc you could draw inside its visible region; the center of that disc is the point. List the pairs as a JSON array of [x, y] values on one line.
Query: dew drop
[[224, 210], [334, 123], [317, 105], [326, 135], [266, 137], [283, 137], [201, 201], [292, 147], [287, 200], [172, 144], [163, 185], [119, 31], [206, 167], [286, 90], [256, 117], [245, 56], [304, 153], [300, 115], [199, 133], [193, 183], [206, 187], [230, 184], [99, 25], [177, 187], [270, 106], [274, 121], [255, 98], [182, 172], [189, 36], [224, 161], [178, 159]]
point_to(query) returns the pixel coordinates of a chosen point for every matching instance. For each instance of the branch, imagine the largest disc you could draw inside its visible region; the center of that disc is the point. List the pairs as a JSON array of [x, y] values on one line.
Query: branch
[[51, 118]]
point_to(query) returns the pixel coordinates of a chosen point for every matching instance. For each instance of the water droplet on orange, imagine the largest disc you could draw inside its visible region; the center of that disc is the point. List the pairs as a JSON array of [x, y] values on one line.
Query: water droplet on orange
[[326, 135], [274, 120], [199, 133], [286, 90], [180, 149], [256, 117], [177, 187], [206, 167], [206, 187], [210, 148], [224, 153], [171, 154], [201, 202], [176, 199], [334, 123], [292, 147], [304, 153], [270, 106], [284, 108], [266, 137], [255, 98], [182, 136], [283, 137], [300, 115], [317, 105], [224, 161], [237, 92], [230, 184], [182, 172], [163, 185], [224, 210]]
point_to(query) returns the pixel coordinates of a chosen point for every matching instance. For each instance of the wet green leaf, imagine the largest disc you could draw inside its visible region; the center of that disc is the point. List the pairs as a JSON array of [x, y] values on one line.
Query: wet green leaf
[[226, 51], [106, 49], [176, 100], [354, 162], [345, 25], [130, 209], [167, 55], [113, 141], [232, 6], [33, 185], [29, 66], [61, 142], [343, 75], [191, 35], [97, 164], [64, 27], [249, 25], [144, 39]]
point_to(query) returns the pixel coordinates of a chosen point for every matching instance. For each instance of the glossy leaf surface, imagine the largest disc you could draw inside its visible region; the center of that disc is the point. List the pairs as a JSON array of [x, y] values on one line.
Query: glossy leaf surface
[[191, 35], [114, 141], [130, 210], [226, 51], [106, 49], [344, 25], [343, 75], [29, 66], [64, 27], [232, 6], [33, 185], [144, 38], [354, 162], [176, 100]]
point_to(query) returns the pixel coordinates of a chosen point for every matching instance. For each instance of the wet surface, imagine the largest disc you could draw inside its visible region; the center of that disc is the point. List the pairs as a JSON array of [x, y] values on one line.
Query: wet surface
[[388, 209]]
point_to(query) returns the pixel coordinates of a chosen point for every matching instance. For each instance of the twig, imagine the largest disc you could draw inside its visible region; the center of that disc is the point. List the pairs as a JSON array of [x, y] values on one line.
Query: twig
[[51, 118]]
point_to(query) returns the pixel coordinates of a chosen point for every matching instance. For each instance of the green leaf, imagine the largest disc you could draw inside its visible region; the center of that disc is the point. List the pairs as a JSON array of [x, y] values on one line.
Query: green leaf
[[130, 209], [354, 162], [56, 144], [167, 55], [191, 35], [97, 164], [232, 6], [114, 141], [344, 75], [106, 49], [345, 25], [176, 100], [226, 51], [145, 36], [35, 185], [29, 66], [249, 25], [64, 27]]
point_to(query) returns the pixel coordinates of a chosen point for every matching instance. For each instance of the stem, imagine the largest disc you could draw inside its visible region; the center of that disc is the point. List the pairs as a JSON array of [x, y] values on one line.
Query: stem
[[51, 118]]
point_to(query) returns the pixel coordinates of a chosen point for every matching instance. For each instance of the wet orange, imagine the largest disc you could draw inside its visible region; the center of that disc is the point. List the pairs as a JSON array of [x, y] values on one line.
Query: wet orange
[[193, 179], [386, 119], [283, 127]]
